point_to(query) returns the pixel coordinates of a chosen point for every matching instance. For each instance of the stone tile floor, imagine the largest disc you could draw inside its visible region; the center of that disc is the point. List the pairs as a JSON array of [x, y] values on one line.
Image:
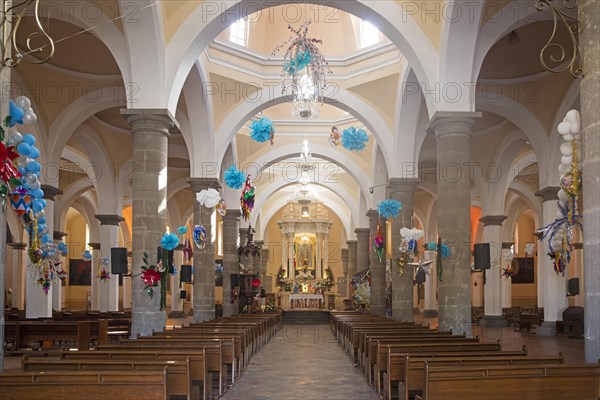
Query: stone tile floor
[[301, 362]]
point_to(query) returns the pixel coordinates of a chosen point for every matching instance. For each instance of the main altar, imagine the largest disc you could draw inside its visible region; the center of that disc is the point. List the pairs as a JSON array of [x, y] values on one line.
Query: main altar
[[305, 275]]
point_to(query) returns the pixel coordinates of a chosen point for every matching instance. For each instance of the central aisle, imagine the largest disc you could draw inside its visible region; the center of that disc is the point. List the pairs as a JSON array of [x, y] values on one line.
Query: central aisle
[[302, 362]]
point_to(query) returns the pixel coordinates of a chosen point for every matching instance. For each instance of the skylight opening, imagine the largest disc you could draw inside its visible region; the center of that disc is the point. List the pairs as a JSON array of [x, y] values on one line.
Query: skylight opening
[[238, 32], [369, 34]]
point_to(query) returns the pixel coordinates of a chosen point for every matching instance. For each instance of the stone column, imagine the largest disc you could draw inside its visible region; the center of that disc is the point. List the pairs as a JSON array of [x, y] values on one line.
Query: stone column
[[50, 193], [150, 130], [325, 254], [430, 287], [492, 305], [351, 265], [204, 259], [290, 255], [552, 287], [18, 275], [506, 284], [95, 267], [231, 227], [378, 290], [453, 138], [589, 40], [109, 238], [402, 190], [342, 288], [362, 248]]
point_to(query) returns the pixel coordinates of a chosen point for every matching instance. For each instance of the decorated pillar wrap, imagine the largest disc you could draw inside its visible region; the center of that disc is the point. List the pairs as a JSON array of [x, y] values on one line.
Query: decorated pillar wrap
[[18, 275], [231, 227], [377, 264], [108, 284], [492, 234]]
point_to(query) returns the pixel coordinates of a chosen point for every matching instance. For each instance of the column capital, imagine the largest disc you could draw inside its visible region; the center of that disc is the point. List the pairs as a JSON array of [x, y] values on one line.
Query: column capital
[[396, 185], [351, 243], [549, 193], [50, 192], [198, 184], [452, 123], [490, 220], [58, 235], [374, 214], [507, 245], [344, 255], [232, 215], [361, 232], [94, 245], [151, 119], [18, 246], [109, 219], [259, 243]]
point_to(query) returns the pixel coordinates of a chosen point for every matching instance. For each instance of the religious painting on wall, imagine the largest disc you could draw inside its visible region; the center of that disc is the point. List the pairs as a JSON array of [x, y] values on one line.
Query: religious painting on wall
[[80, 272], [219, 273], [523, 269]]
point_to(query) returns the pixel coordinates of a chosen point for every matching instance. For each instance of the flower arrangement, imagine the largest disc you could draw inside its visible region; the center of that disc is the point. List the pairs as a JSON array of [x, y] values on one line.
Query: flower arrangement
[[389, 208], [262, 130], [234, 178], [256, 282], [354, 139]]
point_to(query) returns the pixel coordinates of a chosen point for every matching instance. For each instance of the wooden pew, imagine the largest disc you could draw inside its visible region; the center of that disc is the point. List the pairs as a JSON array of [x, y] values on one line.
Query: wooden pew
[[179, 377], [523, 382], [199, 373], [407, 370], [48, 332], [107, 385], [213, 350], [383, 350]]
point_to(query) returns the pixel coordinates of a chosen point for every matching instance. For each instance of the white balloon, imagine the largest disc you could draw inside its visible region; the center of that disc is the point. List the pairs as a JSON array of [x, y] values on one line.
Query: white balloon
[[566, 149], [35, 185], [575, 127], [566, 160], [29, 118], [564, 128], [568, 137], [41, 214], [14, 138], [562, 195], [23, 102], [572, 116], [31, 177], [563, 168]]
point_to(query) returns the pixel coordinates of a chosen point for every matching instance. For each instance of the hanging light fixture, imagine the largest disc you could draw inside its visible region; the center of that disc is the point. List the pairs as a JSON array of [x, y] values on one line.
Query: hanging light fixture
[[305, 66]]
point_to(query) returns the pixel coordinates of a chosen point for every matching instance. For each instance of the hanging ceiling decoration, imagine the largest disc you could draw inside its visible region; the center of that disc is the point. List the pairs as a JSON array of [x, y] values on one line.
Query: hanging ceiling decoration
[[304, 69]]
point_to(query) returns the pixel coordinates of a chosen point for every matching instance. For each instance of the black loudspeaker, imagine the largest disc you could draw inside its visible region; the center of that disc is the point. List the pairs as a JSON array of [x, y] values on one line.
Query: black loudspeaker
[[185, 274], [573, 287], [118, 260], [235, 280], [482, 256], [182, 294], [161, 254]]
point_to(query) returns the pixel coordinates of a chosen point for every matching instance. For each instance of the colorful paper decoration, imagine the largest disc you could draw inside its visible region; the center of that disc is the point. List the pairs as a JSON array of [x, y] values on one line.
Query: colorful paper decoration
[[247, 199], [262, 130], [389, 208], [354, 139], [199, 236], [379, 242]]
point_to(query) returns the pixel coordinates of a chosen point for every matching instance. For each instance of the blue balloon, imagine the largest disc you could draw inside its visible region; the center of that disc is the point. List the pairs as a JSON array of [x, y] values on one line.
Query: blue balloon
[[23, 149], [34, 152], [22, 170], [37, 193], [43, 201], [16, 114], [42, 220], [34, 166], [46, 238], [29, 139], [41, 227]]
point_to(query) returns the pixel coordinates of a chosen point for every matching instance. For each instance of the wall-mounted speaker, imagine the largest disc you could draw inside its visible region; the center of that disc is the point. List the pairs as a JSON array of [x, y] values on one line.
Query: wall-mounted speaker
[[185, 275], [118, 260], [482, 256], [573, 287], [420, 276], [182, 294]]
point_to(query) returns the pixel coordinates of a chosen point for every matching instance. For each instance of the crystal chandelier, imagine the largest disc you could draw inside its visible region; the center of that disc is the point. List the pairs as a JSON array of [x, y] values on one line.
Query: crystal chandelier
[[305, 66], [306, 164]]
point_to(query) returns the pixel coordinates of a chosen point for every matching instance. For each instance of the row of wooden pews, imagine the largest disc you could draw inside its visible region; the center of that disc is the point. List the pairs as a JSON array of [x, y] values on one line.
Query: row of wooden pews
[[407, 360], [198, 361]]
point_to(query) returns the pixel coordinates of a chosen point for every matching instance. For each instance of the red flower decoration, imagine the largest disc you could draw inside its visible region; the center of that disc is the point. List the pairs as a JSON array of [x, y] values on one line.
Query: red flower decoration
[[151, 277], [7, 166], [256, 283]]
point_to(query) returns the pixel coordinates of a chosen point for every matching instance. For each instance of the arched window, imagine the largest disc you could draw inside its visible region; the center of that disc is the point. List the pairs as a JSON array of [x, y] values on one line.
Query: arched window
[[369, 34], [238, 32]]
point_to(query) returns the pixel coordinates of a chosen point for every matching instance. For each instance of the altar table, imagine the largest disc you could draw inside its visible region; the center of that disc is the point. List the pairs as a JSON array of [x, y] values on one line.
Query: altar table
[[306, 300]]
